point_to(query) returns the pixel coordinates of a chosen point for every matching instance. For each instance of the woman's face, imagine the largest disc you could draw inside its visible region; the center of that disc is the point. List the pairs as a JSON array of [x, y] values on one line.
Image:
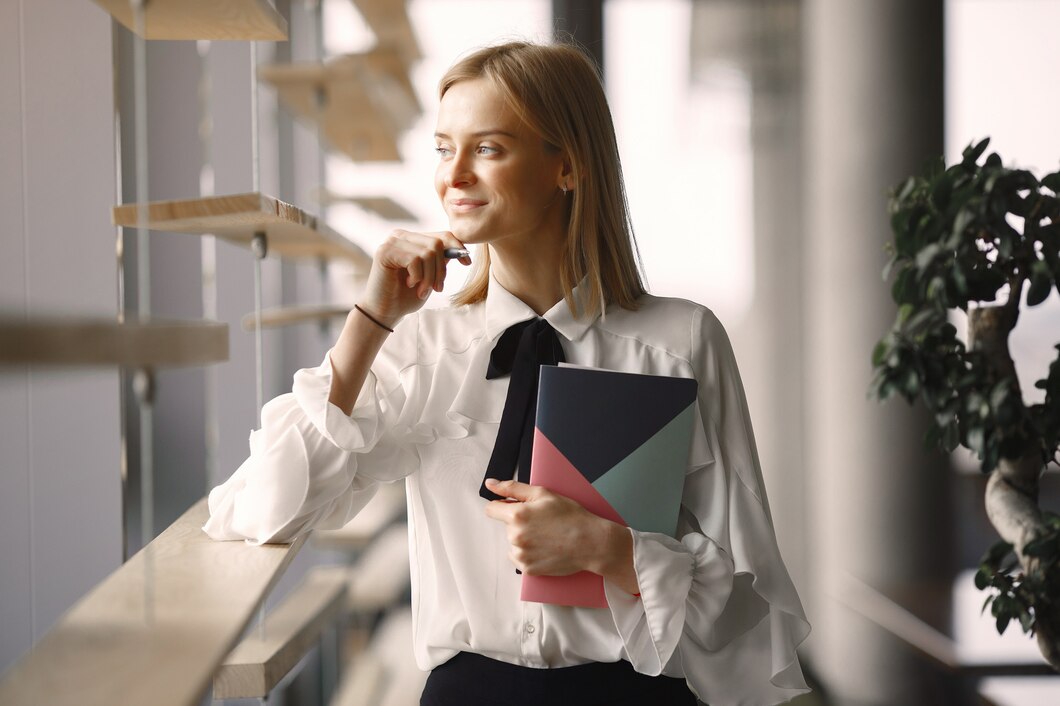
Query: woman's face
[[496, 178]]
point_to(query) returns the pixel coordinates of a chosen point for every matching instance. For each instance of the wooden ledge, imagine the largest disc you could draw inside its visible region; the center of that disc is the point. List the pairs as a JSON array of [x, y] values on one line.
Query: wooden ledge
[[111, 648], [203, 19], [256, 666], [381, 575], [389, 20], [925, 639], [89, 342], [290, 231], [289, 316], [361, 102], [383, 206]]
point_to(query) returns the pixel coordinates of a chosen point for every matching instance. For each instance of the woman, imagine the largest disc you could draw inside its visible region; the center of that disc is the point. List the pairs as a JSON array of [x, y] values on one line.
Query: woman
[[529, 171]]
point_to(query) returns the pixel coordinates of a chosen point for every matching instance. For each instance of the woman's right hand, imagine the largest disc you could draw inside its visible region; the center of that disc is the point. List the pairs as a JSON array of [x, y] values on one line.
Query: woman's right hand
[[406, 267]]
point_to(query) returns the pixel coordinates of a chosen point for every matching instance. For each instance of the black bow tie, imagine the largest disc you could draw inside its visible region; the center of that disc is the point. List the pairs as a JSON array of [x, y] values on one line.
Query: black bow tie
[[521, 351]]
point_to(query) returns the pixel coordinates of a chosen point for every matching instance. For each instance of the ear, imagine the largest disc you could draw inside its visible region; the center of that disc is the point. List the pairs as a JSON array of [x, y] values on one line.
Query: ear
[[565, 181]]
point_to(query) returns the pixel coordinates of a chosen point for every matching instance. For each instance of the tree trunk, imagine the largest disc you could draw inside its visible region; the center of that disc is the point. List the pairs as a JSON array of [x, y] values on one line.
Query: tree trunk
[[1012, 491]]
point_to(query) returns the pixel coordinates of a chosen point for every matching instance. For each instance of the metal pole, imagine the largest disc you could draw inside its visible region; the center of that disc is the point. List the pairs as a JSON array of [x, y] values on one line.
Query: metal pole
[[143, 382], [208, 254]]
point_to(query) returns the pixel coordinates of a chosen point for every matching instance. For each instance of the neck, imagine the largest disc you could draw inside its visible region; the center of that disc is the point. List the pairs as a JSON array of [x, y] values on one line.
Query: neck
[[531, 273]]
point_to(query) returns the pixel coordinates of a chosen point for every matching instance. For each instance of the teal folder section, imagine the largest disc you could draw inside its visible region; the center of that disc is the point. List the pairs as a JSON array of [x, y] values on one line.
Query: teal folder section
[[645, 487]]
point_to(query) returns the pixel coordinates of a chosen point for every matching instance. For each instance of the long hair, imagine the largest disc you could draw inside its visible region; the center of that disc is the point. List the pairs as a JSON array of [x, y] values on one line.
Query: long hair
[[556, 90]]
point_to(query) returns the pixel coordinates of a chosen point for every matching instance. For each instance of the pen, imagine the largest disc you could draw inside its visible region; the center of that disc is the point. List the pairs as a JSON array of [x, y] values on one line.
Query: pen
[[454, 253]]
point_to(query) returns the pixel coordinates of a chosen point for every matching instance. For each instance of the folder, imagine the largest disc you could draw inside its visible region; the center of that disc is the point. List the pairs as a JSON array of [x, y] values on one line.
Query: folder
[[616, 443]]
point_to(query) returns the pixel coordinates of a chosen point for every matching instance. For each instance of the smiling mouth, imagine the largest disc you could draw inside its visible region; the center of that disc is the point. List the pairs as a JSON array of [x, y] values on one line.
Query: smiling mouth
[[465, 205]]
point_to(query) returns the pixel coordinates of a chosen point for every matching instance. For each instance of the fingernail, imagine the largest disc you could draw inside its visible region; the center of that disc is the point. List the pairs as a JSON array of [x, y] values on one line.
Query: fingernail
[[491, 481]]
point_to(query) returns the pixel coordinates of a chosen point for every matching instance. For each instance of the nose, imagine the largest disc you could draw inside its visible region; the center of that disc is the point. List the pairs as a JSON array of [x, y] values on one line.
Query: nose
[[458, 171]]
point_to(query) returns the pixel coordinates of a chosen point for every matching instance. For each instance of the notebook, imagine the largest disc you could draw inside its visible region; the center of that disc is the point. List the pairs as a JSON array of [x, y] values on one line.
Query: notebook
[[617, 443]]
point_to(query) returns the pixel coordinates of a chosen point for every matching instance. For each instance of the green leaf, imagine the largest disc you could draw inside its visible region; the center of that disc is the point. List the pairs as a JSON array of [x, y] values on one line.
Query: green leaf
[[879, 353], [996, 553], [1052, 182], [1002, 622], [972, 154], [1026, 621], [926, 255], [951, 438], [1042, 546], [988, 601], [982, 580], [1041, 283]]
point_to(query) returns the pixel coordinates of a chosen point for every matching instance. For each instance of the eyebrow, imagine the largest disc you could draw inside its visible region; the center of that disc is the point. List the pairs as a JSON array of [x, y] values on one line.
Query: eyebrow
[[480, 133]]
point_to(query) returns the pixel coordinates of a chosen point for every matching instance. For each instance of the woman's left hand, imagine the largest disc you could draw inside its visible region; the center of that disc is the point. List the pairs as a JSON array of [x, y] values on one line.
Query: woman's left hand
[[551, 535]]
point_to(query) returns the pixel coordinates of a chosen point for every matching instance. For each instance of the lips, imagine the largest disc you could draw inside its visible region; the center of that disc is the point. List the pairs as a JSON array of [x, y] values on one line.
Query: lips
[[464, 205]]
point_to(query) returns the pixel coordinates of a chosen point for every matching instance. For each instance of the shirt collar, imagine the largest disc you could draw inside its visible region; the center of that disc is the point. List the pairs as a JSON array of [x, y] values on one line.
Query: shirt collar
[[504, 309]]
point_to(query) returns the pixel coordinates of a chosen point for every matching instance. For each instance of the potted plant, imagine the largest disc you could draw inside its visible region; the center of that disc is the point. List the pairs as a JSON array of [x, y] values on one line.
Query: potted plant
[[970, 236]]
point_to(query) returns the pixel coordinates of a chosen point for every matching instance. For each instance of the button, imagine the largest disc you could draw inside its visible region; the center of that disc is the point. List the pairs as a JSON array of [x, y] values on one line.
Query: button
[[530, 628]]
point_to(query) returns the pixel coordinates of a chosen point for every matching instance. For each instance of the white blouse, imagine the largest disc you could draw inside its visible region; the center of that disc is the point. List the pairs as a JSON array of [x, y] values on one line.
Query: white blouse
[[716, 605]]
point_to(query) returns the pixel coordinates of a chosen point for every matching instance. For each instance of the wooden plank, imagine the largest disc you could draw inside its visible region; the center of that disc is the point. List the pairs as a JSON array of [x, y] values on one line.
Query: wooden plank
[[91, 342], [381, 575], [385, 672], [389, 20], [290, 316], [924, 638], [291, 232], [256, 666], [387, 505], [393, 642], [360, 101], [362, 681], [113, 647], [382, 206], [203, 19]]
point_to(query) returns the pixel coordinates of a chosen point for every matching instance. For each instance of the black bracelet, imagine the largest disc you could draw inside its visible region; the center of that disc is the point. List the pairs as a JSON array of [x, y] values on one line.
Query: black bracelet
[[374, 320]]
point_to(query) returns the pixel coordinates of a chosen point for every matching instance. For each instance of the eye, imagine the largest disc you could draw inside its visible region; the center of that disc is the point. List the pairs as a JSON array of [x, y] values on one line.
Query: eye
[[443, 151], [489, 150]]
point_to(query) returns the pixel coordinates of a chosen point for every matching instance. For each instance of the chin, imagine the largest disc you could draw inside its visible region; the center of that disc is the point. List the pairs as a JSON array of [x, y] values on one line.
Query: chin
[[466, 235]]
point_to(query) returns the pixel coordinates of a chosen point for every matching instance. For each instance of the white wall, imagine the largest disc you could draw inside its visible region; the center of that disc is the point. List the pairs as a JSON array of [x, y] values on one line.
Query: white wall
[[60, 490]]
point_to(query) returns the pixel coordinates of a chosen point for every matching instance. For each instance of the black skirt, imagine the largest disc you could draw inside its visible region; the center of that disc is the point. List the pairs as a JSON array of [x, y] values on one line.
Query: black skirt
[[469, 679]]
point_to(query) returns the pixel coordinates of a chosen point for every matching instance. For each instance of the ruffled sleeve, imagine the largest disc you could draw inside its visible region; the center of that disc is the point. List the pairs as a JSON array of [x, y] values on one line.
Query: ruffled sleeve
[[716, 606], [313, 467]]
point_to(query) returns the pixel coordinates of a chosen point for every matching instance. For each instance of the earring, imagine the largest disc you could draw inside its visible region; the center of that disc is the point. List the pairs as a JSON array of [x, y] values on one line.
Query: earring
[[564, 187]]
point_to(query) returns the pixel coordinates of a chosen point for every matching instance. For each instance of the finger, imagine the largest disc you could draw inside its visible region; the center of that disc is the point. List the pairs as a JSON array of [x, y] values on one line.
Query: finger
[[430, 248], [511, 489], [451, 241], [500, 510], [429, 265], [414, 270]]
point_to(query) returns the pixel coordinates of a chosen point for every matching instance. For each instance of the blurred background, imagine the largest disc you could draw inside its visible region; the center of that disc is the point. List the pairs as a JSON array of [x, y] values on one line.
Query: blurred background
[[759, 140]]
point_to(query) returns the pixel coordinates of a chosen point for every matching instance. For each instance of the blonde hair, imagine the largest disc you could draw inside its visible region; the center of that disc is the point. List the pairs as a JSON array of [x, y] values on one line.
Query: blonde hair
[[556, 90]]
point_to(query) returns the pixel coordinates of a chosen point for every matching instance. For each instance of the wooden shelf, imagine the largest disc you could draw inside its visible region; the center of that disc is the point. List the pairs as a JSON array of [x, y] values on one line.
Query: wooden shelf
[[389, 20], [381, 575], [382, 206], [203, 19], [384, 672], [979, 654], [110, 648], [90, 342], [362, 102], [289, 316], [255, 666], [291, 232]]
